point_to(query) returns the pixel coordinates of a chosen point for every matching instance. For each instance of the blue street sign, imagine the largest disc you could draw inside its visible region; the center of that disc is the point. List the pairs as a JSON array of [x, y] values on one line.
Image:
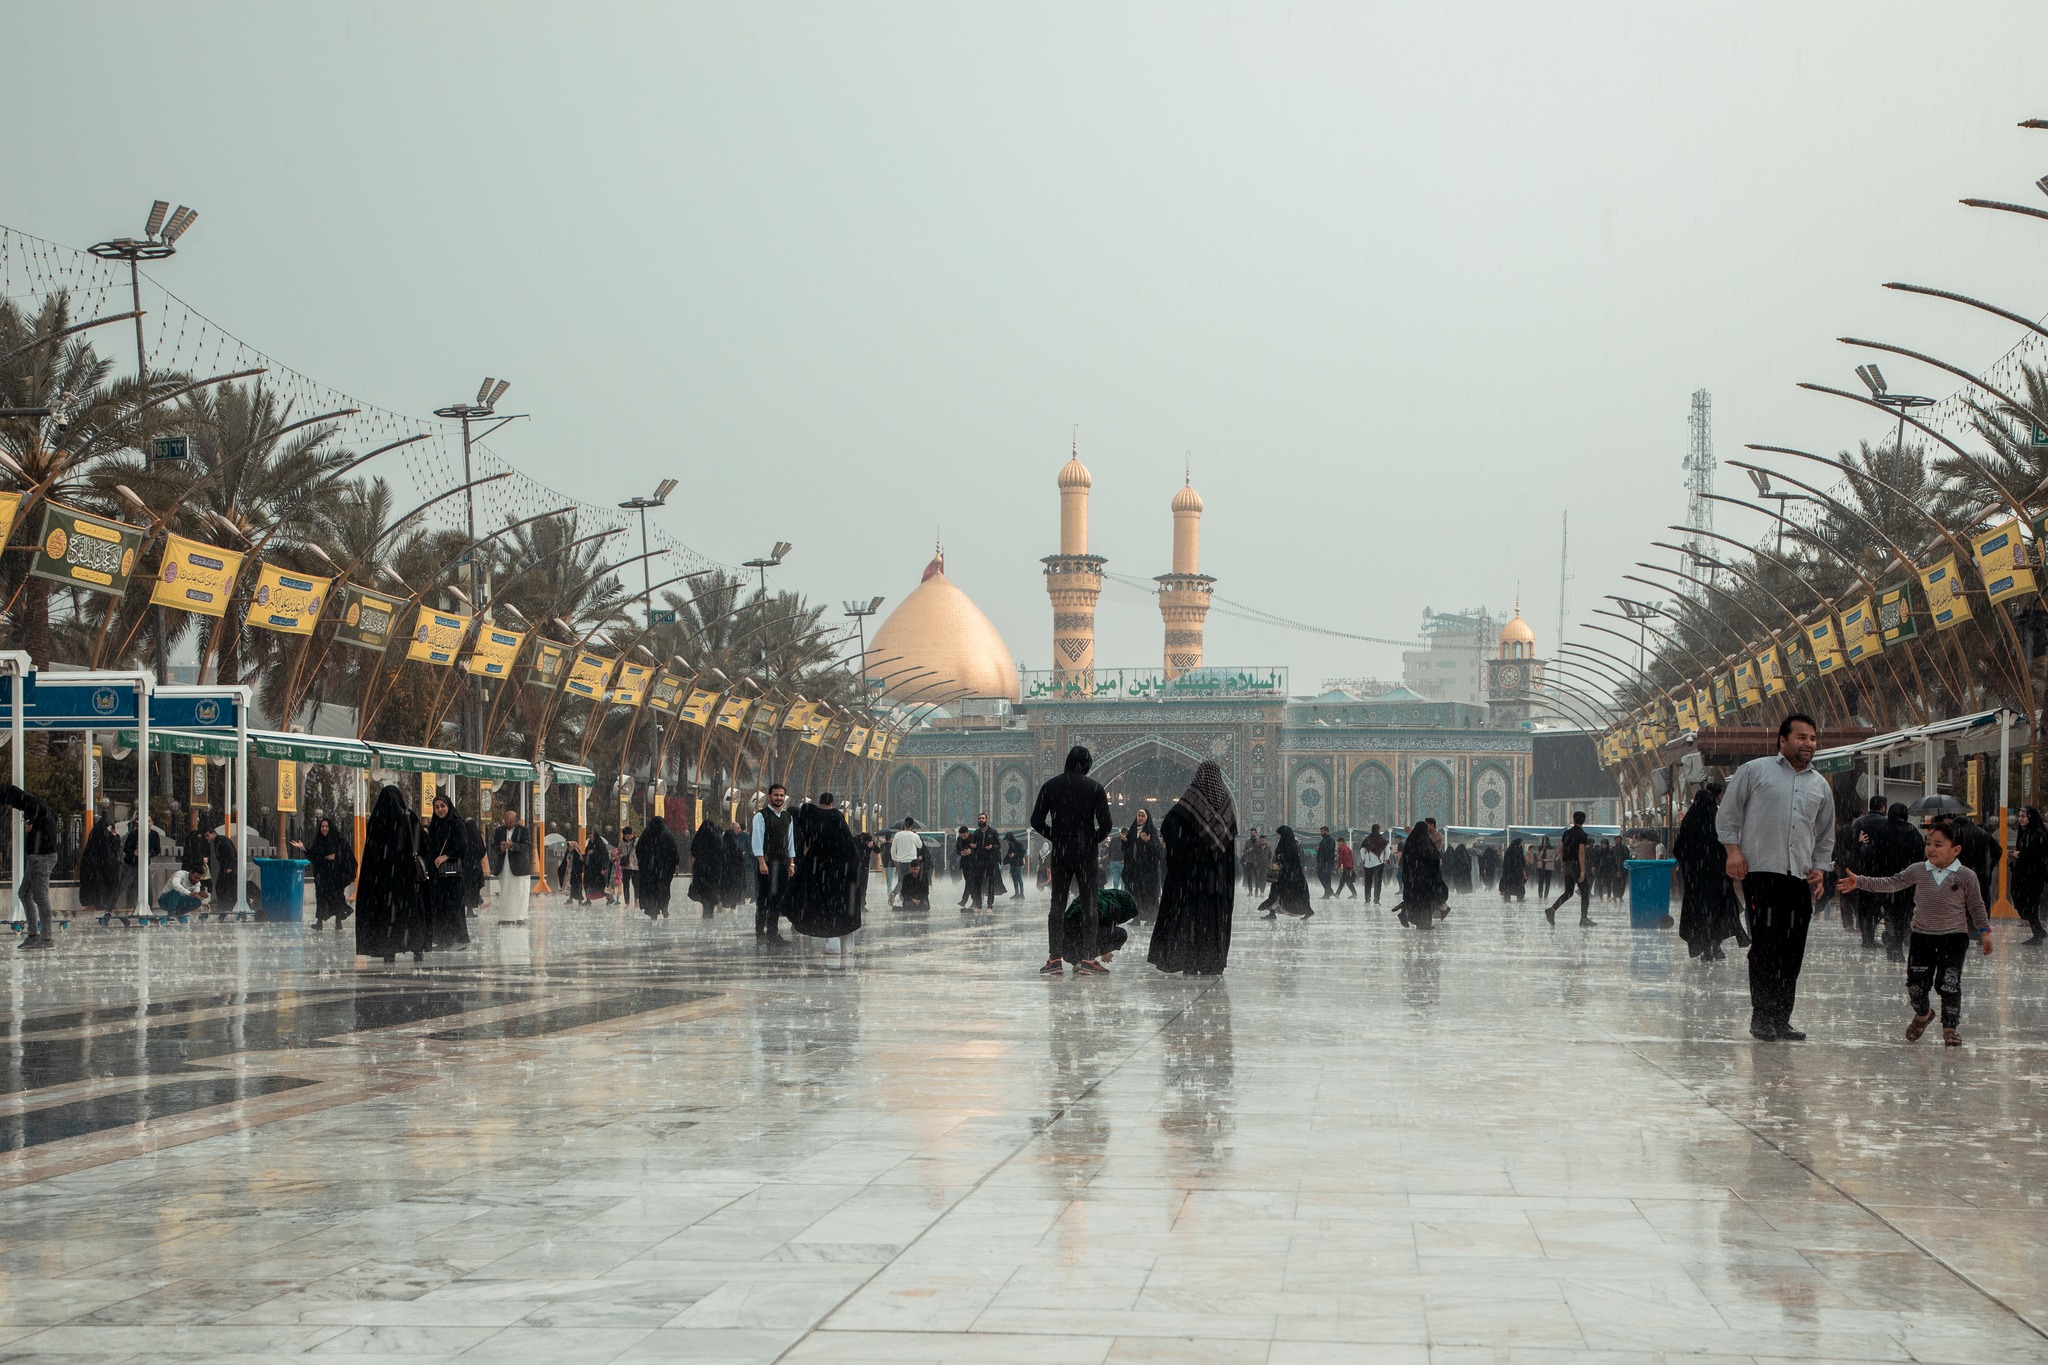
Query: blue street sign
[[192, 713], [7, 691], [57, 704]]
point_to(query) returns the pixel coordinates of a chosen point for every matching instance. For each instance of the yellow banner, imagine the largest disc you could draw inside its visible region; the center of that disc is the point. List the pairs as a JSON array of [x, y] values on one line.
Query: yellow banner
[[195, 577], [730, 714], [856, 741], [494, 652], [200, 800], [1861, 637], [429, 784], [814, 733], [1688, 719], [1703, 705], [701, 706], [631, 685], [10, 508], [878, 745], [800, 714], [589, 674], [1770, 671], [436, 636], [1826, 643], [894, 740], [287, 785], [2003, 564], [1748, 689], [1945, 600], [288, 603]]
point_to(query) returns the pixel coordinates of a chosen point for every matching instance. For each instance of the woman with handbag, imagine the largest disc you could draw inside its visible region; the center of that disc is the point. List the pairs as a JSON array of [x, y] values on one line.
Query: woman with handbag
[[1289, 883], [448, 919]]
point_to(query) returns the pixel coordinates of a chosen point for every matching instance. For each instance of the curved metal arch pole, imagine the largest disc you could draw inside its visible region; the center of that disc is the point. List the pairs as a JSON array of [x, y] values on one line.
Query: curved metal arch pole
[[1927, 654], [1589, 684], [1956, 370], [2020, 674], [1832, 604], [1820, 682], [1686, 678], [1762, 625], [2012, 500]]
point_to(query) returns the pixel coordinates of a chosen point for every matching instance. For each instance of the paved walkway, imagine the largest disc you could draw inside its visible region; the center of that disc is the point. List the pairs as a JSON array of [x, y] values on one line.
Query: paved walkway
[[591, 1139]]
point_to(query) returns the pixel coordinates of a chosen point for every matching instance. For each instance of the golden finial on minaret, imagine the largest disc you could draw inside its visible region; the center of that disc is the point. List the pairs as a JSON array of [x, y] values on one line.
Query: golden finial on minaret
[[1184, 593], [1073, 580]]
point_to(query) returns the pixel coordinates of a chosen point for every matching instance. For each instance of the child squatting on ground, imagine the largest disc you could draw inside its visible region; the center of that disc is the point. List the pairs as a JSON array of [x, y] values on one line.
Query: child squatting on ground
[[1948, 908]]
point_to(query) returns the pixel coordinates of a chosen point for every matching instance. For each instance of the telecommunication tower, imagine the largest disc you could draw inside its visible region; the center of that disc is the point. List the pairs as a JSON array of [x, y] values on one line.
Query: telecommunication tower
[[1699, 474]]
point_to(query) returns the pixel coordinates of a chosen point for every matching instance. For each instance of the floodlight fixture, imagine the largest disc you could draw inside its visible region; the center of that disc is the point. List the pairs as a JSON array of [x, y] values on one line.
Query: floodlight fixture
[[181, 222], [483, 392], [664, 488], [2042, 184], [1761, 480], [157, 213]]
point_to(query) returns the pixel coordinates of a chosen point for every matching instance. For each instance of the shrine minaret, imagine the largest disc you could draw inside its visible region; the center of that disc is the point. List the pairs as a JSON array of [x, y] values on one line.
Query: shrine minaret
[[1073, 580], [1184, 593]]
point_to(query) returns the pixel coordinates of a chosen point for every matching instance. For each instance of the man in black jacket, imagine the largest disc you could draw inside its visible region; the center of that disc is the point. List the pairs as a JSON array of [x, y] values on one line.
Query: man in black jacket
[[1072, 815], [1326, 860], [39, 854]]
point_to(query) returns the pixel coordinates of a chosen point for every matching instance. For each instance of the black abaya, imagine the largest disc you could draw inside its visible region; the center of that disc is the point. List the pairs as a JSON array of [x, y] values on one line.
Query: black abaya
[[1423, 893], [1706, 910], [448, 917], [655, 859], [390, 907], [1141, 865], [1289, 895], [1514, 872], [1195, 899], [334, 869], [707, 866], [100, 871], [820, 900]]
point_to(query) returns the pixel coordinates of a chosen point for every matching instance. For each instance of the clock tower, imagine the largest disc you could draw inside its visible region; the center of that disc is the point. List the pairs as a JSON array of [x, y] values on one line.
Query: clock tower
[[1514, 677]]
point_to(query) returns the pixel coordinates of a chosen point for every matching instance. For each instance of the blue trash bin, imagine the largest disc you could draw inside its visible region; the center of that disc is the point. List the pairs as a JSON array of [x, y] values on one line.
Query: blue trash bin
[[284, 888], [1649, 891]]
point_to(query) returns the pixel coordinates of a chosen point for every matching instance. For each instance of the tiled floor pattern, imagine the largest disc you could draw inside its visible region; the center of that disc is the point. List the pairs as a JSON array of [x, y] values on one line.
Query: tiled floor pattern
[[591, 1140]]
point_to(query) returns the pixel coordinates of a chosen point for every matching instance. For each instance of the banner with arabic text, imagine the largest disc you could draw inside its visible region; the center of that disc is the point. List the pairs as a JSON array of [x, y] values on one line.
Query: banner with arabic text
[[195, 577], [288, 603]]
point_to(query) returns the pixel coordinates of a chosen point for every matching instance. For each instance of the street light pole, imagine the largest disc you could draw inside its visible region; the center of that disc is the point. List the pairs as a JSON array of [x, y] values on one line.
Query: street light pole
[[486, 405], [860, 612], [640, 505], [767, 562]]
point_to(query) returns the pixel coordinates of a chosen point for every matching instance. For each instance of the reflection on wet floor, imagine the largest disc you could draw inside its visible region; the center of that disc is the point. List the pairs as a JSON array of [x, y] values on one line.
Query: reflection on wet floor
[[592, 1138]]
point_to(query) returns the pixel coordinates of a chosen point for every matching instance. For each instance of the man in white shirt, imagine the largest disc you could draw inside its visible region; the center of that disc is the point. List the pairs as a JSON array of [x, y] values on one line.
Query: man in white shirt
[[903, 847], [1777, 821], [774, 857]]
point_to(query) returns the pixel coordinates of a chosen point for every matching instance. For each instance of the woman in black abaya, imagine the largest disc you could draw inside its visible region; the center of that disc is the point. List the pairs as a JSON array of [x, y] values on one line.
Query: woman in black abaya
[[1290, 884], [2029, 869], [595, 868], [820, 899], [447, 843], [1514, 872], [99, 869], [474, 854], [1141, 863], [1200, 887], [334, 870], [390, 910], [707, 866], [655, 862], [1423, 893], [1706, 913]]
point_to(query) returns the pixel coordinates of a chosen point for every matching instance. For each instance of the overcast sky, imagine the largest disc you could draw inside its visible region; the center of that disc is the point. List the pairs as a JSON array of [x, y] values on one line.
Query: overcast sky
[[1404, 282]]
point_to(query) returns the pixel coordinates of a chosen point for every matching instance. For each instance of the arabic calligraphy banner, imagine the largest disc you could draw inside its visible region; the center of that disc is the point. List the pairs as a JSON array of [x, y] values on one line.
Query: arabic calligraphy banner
[[1152, 684], [436, 636], [82, 551], [287, 603], [195, 576], [365, 619], [494, 651]]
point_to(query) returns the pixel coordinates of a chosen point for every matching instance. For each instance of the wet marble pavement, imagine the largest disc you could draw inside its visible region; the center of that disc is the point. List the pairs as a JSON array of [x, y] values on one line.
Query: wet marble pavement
[[594, 1139]]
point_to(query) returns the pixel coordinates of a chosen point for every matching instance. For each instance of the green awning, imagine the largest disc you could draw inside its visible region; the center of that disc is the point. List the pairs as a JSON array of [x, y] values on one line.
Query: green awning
[[569, 775], [182, 742], [327, 749], [406, 758]]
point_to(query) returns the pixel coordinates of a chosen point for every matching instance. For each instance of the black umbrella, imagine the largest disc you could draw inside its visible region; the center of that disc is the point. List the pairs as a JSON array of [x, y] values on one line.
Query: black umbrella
[[1927, 807]]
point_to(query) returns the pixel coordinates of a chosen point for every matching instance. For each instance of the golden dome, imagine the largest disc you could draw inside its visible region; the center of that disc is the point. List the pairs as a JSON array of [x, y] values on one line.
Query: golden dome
[[1187, 500], [1075, 474], [938, 628], [1517, 632]]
